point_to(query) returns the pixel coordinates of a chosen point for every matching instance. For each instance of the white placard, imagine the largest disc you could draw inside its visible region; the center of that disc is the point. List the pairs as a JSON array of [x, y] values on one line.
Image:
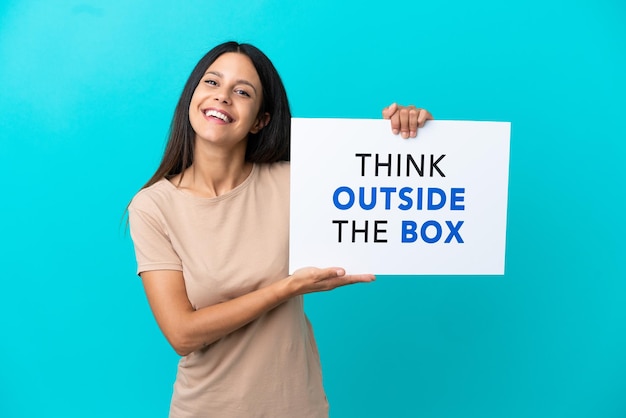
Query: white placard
[[371, 202]]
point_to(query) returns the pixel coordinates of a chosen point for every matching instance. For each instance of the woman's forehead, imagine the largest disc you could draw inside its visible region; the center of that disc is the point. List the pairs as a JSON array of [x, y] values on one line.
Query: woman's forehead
[[234, 65]]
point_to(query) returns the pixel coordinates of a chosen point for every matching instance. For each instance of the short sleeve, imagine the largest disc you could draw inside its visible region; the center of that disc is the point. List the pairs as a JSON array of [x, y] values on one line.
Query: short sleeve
[[153, 247]]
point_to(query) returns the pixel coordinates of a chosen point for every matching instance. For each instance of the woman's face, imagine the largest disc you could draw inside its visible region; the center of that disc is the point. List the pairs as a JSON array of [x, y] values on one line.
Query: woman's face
[[225, 105]]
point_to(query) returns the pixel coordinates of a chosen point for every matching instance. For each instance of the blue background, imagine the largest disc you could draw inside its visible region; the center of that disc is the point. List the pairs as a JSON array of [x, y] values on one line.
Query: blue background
[[87, 93]]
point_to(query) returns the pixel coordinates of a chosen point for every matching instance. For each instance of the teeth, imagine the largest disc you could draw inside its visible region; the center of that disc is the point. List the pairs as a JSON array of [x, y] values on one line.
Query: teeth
[[218, 115]]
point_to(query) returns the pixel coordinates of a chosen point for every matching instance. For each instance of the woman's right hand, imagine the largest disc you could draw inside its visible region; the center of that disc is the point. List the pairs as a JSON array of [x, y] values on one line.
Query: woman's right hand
[[312, 279]]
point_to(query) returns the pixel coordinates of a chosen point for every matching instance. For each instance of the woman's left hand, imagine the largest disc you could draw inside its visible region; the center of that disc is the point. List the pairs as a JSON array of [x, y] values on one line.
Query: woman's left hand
[[405, 120]]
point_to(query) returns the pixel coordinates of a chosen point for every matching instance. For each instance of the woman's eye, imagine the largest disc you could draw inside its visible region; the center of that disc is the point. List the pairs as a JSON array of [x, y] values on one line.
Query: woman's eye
[[211, 82], [242, 92]]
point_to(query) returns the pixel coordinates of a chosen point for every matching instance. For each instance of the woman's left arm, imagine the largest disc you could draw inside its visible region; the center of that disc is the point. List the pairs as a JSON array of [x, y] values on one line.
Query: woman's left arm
[[405, 120]]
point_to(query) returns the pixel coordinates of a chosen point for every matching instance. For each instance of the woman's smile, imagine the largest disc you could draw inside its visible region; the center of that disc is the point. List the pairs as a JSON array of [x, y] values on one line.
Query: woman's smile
[[214, 114]]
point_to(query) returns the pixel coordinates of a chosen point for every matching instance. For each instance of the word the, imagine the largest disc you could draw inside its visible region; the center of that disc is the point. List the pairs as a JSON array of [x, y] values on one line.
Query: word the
[[377, 231]]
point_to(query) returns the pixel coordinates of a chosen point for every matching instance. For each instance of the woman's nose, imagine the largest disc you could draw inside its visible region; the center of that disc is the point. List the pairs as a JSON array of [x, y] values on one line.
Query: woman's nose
[[222, 96]]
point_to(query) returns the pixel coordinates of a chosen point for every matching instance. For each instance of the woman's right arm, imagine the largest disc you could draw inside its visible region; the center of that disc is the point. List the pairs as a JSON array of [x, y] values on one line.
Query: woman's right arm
[[188, 329]]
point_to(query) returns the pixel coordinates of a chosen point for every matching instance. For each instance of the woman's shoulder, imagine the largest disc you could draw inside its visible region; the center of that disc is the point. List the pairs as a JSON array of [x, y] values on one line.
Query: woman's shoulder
[[277, 168], [274, 172], [152, 196]]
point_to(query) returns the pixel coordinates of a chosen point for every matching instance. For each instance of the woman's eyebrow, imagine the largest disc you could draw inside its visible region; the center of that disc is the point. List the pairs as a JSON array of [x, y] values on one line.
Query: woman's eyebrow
[[240, 81]]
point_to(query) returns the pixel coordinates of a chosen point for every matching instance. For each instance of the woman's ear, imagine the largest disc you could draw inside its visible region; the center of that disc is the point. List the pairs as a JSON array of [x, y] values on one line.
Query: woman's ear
[[260, 123]]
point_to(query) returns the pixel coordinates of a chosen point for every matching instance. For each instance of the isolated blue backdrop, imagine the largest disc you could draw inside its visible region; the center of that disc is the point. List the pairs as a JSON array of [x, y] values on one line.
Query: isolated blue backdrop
[[87, 92]]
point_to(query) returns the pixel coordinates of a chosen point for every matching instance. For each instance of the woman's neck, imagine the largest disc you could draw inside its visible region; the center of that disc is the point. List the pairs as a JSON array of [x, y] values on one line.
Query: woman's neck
[[214, 173]]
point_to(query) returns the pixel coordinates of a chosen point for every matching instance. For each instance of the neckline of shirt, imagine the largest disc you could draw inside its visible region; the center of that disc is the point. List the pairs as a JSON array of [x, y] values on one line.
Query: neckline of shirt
[[235, 191]]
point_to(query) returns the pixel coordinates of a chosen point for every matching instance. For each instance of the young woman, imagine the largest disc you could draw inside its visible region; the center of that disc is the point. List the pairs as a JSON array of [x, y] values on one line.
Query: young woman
[[210, 230]]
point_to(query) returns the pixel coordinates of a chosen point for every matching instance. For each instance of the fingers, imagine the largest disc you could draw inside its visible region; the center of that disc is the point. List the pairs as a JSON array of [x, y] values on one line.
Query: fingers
[[408, 117], [360, 278], [344, 280], [405, 120], [424, 115], [312, 279], [413, 123], [336, 277], [389, 110]]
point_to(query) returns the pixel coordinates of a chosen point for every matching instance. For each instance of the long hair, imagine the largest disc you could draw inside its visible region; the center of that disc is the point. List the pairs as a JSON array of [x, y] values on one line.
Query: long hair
[[270, 144]]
